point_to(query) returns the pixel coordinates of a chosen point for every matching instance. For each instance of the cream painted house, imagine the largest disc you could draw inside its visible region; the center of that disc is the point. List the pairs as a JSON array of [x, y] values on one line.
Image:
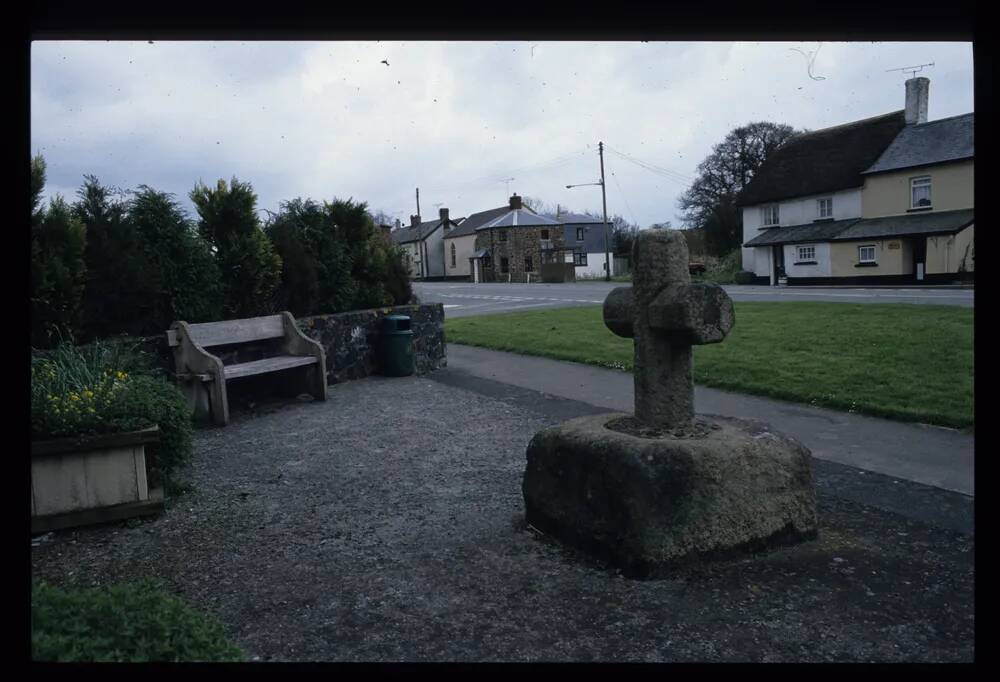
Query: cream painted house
[[422, 244], [883, 200]]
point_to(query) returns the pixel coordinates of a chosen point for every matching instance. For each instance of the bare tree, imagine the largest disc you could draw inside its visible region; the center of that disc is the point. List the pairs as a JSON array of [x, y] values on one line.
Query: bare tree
[[710, 202]]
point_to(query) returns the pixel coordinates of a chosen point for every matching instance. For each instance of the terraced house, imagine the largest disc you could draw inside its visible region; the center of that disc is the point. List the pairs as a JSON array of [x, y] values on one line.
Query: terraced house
[[423, 244], [887, 199]]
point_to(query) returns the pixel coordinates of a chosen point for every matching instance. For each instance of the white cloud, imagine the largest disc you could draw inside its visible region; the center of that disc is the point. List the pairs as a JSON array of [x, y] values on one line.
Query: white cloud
[[330, 119]]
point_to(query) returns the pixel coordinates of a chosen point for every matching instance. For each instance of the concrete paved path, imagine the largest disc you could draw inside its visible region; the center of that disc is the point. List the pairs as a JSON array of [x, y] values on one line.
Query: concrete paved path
[[939, 457]]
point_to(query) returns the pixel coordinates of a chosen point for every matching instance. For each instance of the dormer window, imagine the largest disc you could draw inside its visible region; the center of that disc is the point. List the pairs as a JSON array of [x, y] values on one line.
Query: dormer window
[[824, 207], [920, 192], [769, 215]]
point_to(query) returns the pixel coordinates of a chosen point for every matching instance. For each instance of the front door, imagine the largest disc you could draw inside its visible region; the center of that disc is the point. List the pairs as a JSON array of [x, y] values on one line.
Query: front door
[[779, 262], [919, 257]]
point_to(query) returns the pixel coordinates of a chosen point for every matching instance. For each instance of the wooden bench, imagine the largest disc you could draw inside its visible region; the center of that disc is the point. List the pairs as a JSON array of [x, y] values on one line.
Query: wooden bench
[[198, 369]]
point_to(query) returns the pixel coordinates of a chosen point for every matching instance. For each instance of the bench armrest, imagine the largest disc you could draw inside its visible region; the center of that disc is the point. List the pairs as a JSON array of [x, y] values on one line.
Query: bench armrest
[[297, 343], [189, 357]]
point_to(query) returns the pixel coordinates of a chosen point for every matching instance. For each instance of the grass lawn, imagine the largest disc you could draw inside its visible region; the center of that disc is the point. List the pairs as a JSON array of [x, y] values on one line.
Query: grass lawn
[[905, 362]]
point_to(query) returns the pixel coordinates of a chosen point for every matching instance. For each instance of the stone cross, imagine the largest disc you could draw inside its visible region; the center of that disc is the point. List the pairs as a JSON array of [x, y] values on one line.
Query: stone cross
[[666, 314]]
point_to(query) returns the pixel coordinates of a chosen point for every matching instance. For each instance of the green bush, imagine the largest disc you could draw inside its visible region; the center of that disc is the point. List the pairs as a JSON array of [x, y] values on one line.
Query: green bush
[[721, 269], [123, 623], [58, 270], [119, 282], [109, 388], [248, 263], [184, 281], [334, 259], [744, 277]]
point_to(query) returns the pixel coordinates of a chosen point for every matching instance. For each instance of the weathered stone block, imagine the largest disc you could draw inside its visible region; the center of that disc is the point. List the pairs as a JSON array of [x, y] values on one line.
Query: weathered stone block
[[646, 504]]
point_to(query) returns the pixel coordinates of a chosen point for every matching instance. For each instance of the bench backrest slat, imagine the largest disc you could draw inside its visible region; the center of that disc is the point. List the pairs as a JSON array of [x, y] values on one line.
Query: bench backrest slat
[[207, 334]]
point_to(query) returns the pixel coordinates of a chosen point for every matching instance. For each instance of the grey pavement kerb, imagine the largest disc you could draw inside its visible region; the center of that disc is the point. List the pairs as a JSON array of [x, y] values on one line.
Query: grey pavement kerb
[[934, 456]]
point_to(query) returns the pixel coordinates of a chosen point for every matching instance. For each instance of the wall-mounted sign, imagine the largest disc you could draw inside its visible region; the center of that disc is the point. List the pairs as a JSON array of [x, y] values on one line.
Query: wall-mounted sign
[[893, 245]]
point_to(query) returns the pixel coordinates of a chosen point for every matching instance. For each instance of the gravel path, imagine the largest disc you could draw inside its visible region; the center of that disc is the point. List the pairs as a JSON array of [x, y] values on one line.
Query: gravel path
[[387, 525]]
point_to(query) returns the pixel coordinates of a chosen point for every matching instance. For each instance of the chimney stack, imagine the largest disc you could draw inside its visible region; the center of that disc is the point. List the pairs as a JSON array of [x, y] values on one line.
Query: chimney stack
[[917, 90], [443, 212], [515, 202], [414, 220], [397, 223]]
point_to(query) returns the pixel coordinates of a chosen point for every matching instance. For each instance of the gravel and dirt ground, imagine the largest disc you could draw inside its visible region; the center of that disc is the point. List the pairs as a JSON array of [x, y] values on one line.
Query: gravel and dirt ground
[[386, 524]]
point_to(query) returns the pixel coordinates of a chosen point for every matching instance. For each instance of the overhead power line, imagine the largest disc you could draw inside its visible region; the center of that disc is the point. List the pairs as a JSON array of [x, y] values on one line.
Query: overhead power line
[[485, 180], [630, 211], [679, 178]]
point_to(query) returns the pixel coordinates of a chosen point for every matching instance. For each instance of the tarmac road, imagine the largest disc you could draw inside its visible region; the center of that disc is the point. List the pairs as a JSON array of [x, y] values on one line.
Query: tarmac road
[[463, 298]]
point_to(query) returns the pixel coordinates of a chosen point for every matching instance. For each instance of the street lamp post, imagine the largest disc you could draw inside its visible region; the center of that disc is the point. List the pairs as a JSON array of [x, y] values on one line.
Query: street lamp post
[[604, 203]]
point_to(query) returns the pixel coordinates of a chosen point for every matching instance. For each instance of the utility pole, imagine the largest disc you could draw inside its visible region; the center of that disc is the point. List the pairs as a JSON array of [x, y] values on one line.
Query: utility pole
[[604, 202]]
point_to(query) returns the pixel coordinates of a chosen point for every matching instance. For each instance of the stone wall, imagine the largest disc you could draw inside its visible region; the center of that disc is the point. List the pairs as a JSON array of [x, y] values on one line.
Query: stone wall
[[350, 340]]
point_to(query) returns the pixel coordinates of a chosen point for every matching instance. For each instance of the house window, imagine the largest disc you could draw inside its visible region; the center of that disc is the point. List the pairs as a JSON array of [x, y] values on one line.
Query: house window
[[545, 234], [579, 234], [502, 235], [824, 207], [805, 253], [504, 265], [920, 192], [769, 215], [579, 259], [452, 255], [527, 264], [866, 254]]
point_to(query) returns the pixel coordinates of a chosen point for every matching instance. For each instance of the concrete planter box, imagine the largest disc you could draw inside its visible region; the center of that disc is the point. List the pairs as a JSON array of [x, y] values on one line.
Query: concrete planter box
[[81, 481]]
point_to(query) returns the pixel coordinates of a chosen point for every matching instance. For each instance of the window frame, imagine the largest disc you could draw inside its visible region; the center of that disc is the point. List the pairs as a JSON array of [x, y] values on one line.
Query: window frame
[[504, 265], [925, 181], [544, 235], [874, 258], [453, 261], [528, 265], [799, 258], [768, 211], [501, 235], [819, 207], [580, 233], [579, 258]]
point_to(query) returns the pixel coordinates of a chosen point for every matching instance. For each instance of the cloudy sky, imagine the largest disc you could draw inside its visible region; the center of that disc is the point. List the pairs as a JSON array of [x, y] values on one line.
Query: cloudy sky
[[456, 119]]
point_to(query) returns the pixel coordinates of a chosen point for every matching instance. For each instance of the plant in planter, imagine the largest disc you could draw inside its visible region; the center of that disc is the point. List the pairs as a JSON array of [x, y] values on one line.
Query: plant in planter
[[96, 413]]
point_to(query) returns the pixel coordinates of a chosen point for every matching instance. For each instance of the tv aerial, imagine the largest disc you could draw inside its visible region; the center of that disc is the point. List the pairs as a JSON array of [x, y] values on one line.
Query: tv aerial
[[912, 70]]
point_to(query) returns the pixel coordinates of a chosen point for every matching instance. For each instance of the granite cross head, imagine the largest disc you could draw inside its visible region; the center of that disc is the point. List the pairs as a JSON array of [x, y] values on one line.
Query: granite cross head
[[666, 314]]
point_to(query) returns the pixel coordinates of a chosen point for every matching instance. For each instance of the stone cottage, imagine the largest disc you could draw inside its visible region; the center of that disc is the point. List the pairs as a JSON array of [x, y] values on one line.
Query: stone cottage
[[513, 246]]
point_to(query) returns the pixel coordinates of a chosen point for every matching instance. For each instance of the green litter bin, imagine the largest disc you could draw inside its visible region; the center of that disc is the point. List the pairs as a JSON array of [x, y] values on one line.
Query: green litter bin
[[397, 346]]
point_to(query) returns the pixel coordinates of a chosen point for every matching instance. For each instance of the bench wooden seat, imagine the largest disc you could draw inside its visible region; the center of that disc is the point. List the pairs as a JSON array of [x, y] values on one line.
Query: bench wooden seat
[[196, 366], [266, 365]]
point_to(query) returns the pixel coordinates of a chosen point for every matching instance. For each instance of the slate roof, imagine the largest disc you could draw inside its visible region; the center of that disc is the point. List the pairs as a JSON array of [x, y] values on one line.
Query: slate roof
[[821, 231], [519, 217], [415, 233], [939, 222], [948, 139], [579, 219], [822, 160], [476, 220]]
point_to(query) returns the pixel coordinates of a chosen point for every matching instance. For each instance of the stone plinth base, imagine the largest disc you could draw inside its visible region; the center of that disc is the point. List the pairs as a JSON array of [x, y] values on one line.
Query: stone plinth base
[[648, 504]]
